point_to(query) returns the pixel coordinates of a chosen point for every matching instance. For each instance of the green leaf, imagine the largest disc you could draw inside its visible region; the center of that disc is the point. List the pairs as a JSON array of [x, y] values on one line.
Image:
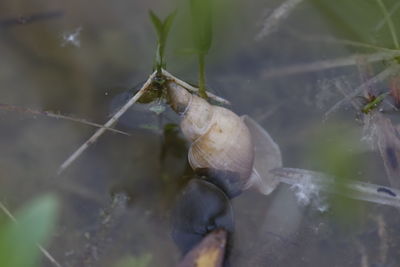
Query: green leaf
[[157, 23], [18, 241], [167, 25], [162, 30]]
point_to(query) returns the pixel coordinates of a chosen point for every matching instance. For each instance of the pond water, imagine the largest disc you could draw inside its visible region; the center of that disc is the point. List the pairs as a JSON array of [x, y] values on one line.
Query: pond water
[[116, 198]]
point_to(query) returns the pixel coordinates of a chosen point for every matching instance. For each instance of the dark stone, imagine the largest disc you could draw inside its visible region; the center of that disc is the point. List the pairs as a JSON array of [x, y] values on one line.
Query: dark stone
[[201, 208]]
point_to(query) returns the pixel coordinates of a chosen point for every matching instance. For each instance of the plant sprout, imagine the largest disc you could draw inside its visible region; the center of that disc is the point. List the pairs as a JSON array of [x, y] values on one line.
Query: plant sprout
[[162, 28]]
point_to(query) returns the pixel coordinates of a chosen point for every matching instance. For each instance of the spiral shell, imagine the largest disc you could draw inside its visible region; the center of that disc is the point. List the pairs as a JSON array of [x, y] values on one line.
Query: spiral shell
[[220, 139]]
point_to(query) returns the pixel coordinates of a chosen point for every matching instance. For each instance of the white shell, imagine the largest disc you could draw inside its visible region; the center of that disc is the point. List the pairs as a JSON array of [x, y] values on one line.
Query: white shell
[[220, 139], [224, 141]]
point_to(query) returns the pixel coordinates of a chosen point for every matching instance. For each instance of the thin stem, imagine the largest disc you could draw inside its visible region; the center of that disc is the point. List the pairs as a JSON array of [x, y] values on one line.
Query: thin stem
[[193, 89], [56, 116], [393, 10], [328, 64], [389, 23], [42, 249], [333, 40], [123, 109], [108, 124], [202, 76]]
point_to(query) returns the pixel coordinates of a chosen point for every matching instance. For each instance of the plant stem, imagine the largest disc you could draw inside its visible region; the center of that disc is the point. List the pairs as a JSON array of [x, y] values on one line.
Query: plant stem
[[192, 89], [202, 76], [389, 23], [107, 125]]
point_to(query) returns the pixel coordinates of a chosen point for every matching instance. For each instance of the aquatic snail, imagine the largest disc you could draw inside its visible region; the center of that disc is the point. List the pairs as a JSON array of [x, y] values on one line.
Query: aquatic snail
[[227, 153], [225, 147]]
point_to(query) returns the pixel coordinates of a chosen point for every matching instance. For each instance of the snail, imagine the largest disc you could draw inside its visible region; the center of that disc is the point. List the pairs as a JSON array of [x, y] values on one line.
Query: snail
[[230, 150], [227, 153]]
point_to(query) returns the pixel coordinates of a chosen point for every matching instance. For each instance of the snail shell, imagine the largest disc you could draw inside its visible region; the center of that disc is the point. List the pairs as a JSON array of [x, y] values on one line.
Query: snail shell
[[221, 143]]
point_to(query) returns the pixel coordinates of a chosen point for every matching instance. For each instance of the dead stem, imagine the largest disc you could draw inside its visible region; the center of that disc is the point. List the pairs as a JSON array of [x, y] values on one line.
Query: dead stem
[[123, 109], [43, 250], [193, 89], [328, 64], [108, 124], [56, 116], [279, 14]]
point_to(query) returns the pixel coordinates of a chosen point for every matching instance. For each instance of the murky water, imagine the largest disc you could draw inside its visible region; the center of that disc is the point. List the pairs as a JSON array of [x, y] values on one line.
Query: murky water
[[76, 62]]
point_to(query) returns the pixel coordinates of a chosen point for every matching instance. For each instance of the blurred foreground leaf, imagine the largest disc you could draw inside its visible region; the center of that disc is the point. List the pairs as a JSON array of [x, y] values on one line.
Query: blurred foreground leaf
[[18, 241]]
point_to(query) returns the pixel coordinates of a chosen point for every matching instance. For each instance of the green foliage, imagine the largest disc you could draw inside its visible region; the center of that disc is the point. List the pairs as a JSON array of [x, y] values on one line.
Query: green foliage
[[162, 29], [18, 241], [368, 21]]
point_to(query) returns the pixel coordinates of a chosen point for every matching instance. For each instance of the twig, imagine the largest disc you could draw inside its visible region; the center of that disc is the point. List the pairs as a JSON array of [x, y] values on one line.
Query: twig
[[379, 77], [56, 116], [124, 108], [192, 88], [352, 189], [328, 64], [108, 124], [43, 250], [279, 14]]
